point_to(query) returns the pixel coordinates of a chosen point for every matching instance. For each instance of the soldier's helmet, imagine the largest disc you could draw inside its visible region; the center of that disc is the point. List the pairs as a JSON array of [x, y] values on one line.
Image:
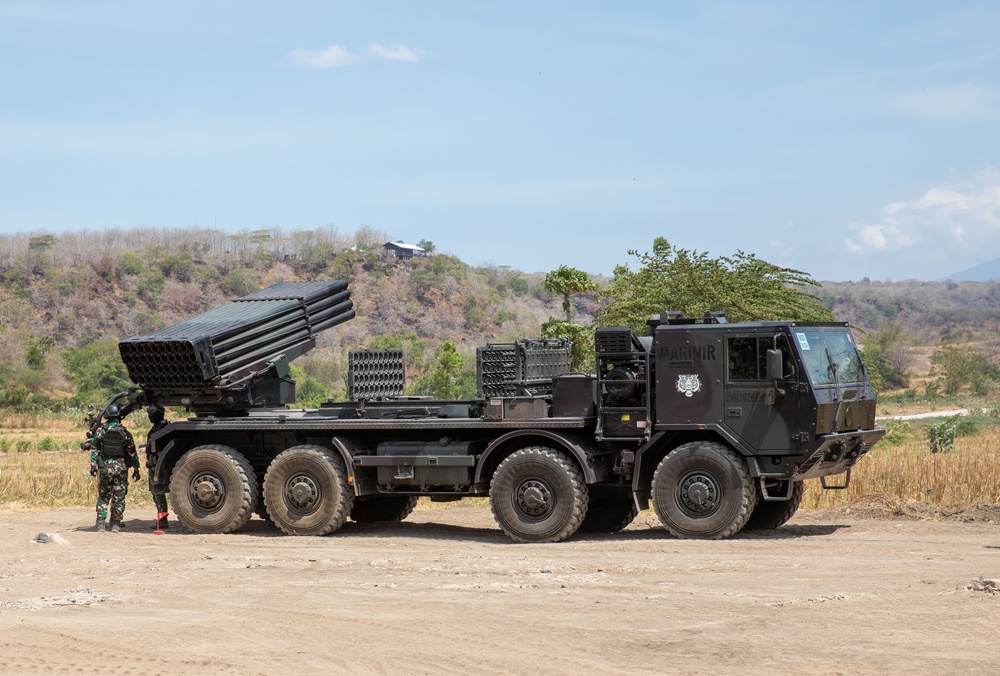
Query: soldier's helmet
[[155, 413], [112, 412]]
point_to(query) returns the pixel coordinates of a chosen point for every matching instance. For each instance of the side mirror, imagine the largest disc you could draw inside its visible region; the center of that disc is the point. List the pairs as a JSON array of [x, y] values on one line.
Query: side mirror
[[775, 365]]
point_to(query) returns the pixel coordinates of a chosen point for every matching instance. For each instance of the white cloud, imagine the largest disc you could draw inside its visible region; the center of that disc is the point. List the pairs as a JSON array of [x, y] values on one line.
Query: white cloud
[[962, 219], [376, 51], [333, 56], [336, 56], [957, 101]]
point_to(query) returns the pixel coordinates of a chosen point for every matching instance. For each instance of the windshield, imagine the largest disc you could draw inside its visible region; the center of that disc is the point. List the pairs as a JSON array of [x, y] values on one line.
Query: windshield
[[829, 355]]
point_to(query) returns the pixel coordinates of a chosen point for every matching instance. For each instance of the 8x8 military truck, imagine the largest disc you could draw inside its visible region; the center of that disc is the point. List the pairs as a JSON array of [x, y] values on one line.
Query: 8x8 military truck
[[716, 424]]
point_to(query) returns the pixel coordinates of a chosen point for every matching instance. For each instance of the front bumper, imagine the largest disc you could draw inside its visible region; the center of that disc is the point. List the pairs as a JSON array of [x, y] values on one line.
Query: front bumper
[[835, 454]]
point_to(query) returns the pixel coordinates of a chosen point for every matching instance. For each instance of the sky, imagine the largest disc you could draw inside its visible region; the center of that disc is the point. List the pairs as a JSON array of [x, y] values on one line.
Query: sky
[[844, 139]]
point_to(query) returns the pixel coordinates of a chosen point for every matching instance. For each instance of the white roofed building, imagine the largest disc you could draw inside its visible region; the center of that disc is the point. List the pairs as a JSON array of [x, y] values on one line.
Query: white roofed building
[[400, 250]]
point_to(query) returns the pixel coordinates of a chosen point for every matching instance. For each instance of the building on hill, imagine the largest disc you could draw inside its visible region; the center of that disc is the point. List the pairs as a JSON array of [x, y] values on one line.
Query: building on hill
[[400, 250]]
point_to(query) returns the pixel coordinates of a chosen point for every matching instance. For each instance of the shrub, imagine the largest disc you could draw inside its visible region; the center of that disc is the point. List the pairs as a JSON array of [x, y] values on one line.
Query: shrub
[[896, 432]]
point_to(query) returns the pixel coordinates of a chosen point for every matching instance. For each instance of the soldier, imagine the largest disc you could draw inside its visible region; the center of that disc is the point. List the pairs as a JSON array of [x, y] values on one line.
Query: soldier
[[112, 453], [155, 414]]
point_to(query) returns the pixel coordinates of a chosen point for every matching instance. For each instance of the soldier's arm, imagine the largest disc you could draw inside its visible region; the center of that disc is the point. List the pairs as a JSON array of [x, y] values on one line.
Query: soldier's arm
[[130, 450]]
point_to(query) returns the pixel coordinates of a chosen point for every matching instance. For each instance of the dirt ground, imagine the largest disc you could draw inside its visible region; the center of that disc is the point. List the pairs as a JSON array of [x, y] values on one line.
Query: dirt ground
[[833, 592]]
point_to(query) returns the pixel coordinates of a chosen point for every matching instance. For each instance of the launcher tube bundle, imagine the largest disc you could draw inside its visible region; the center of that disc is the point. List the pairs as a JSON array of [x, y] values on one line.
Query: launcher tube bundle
[[229, 356]]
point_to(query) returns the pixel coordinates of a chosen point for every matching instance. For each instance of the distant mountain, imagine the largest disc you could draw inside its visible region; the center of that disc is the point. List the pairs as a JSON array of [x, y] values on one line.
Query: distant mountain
[[985, 272]]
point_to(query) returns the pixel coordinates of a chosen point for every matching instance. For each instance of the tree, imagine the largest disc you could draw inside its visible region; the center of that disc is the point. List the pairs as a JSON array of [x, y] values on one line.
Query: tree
[[426, 245], [581, 356], [449, 367], [96, 371], [955, 368], [745, 287], [888, 355], [567, 281]]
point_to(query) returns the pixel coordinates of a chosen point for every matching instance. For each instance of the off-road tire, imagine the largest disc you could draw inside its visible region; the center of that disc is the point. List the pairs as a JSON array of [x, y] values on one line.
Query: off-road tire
[[213, 489], [306, 491], [608, 515], [770, 514], [538, 494], [374, 509], [703, 490]]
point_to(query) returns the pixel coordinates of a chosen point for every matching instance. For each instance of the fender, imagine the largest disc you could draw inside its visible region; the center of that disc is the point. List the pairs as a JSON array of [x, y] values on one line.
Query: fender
[[642, 475], [568, 443], [346, 447], [161, 465]]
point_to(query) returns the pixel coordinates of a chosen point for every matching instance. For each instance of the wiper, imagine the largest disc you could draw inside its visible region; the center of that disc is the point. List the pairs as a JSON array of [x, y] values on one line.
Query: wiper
[[834, 367]]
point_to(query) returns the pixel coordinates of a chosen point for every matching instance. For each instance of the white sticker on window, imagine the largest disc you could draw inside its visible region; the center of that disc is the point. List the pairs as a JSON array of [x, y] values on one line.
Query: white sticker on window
[[803, 341]]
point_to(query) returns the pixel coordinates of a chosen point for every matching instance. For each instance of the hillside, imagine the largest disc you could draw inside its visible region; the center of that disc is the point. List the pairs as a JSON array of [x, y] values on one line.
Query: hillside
[[931, 311], [65, 292], [60, 294]]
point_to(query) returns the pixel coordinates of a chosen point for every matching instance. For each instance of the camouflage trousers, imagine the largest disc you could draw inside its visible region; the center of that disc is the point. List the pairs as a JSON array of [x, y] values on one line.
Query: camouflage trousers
[[112, 487], [159, 499]]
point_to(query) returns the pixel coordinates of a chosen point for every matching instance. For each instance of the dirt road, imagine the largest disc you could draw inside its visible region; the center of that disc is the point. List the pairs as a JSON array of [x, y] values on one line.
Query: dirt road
[[444, 592]]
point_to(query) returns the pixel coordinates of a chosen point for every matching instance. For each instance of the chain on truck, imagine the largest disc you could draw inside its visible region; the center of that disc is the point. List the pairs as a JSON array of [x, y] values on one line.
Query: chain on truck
[[716, 424]]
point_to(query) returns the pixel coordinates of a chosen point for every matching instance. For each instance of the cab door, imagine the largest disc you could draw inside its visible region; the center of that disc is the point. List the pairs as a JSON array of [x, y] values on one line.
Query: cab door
[[763, 413]]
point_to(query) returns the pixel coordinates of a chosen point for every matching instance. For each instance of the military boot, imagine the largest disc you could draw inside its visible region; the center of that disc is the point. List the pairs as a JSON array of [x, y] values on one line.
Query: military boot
[[100, 526], [116, 526]]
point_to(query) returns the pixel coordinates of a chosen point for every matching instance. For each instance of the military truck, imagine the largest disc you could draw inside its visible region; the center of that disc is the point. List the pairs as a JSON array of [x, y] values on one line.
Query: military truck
[[716, 424]]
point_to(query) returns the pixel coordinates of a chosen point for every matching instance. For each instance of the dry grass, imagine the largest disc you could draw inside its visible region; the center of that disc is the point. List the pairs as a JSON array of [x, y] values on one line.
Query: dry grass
[[968, 476], [41, 465], [35, 480]]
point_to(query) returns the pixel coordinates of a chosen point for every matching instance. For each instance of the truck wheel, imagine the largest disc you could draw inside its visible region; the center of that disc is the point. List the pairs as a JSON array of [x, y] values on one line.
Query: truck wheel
[[608, 515], [703, 490], [306, 491], [769, 514], [388, 508], [538, 494], [213, 489]]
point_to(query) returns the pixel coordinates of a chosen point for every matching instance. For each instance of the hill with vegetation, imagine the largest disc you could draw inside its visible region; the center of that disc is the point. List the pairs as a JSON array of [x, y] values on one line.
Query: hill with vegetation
[[66, 301]]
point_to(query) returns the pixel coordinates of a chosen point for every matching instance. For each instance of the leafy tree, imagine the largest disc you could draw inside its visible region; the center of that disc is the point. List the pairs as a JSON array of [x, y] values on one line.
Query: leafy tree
[[955, 368], [744, 286], [42, 242], [411, 345], [567, 281], [241, 281], [309, 392], [444, 377], [581, 357], [888, 355], [96, 371], [426, 245], [37, 351]]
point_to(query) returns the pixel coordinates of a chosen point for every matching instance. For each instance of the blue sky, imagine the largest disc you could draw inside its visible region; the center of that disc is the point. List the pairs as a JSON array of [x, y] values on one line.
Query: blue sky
[[846, 139]]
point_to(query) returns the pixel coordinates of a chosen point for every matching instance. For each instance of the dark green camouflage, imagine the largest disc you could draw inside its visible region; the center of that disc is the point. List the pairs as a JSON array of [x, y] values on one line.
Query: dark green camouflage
[[112, 482], [112, 487]]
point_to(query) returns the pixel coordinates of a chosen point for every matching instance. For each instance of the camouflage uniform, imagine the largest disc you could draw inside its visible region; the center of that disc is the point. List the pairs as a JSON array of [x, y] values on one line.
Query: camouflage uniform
[[159, 498], [112, 486]]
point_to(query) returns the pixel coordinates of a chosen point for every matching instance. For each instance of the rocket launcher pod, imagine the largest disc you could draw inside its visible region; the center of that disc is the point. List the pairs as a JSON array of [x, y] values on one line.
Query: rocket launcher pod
[[236, 356]]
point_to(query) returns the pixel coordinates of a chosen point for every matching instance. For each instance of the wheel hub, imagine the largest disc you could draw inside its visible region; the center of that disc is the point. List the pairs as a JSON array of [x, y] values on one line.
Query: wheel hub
[[534, 498], [302, 492], [699, 493], [208, 491]]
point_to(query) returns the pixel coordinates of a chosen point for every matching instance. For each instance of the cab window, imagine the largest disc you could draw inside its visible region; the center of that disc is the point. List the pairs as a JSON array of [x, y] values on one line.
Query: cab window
[[744, 359], [748, 357]]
